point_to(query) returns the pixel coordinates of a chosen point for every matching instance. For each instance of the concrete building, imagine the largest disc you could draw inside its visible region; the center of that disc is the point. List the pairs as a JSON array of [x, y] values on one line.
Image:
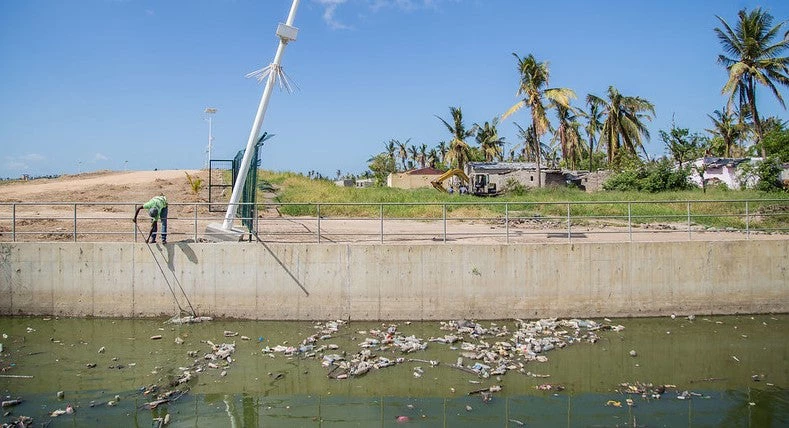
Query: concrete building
[[498, 174], [365, 182], [413, 179], [722, 170], [345, 182]]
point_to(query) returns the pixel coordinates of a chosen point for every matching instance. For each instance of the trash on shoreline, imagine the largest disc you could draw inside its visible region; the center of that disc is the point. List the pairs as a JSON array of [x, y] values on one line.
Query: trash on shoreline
[[491, 351], [189, 319], [11, 403]]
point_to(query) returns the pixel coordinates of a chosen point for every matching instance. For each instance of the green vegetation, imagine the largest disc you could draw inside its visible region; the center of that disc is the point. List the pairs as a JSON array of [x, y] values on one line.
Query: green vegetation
[[300, 194], [196, 184], [611, 137], [610, 133]]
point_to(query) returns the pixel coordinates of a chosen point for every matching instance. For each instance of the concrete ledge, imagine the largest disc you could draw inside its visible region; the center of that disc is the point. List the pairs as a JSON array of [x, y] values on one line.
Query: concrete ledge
[[371, 282]]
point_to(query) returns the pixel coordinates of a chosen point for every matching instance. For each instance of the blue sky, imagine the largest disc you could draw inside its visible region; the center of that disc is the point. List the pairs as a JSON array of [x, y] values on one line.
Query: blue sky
[[122, 84]]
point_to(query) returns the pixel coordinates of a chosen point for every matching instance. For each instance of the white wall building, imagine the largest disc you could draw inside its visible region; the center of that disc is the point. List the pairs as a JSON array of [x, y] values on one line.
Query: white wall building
[[722, 170]]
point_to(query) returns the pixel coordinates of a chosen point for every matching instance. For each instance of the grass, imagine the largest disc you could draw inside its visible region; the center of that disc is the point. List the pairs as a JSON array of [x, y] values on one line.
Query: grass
[[715, 208]]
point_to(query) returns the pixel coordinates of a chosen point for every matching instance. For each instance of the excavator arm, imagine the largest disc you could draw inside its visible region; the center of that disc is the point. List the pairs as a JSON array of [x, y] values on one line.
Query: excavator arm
[[438, 183]]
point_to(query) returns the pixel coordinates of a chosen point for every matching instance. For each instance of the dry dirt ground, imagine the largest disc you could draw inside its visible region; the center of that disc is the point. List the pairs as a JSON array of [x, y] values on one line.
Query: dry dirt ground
[[104, 202]]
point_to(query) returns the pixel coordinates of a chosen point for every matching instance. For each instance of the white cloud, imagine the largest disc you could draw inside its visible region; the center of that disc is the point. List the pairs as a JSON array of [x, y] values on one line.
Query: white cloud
[[99, 157], [330, 7], [32, 157], [150, 12], [15, 165], [22, 162]]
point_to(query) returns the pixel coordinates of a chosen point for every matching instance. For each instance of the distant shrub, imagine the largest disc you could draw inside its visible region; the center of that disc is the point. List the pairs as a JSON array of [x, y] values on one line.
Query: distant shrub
[[769, 173], [515, 187], [659, 176], [196, 184]]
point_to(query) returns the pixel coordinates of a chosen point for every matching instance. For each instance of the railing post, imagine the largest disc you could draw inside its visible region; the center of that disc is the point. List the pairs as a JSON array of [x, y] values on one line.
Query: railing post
[[195, 236], [507, 221], [319, 221], [13, 222], [630, 221], [747, 222], [688, 220], [135, 225], [381, 210], [569, 227], [445, 222], [75, 222]]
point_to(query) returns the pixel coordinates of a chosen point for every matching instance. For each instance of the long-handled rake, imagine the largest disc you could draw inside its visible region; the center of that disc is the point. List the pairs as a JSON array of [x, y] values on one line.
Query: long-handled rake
[[164, 275]]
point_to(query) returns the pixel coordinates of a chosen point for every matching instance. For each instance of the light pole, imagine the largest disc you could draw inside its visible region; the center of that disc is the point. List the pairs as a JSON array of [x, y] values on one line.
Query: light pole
[[209, 113], [286, 33]]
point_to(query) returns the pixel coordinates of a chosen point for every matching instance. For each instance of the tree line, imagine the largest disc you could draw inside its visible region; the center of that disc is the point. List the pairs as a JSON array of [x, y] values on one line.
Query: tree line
[[609, 131]]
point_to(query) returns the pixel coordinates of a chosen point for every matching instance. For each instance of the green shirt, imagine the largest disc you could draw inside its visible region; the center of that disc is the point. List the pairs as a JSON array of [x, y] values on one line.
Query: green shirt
[[157, 202]]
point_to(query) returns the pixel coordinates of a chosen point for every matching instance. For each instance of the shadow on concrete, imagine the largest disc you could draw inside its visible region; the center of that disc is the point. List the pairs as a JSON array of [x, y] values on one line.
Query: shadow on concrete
[[296, 280]]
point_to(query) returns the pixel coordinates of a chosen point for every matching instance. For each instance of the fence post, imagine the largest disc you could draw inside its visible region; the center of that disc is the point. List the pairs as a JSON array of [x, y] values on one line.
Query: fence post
[[13, 222], [381, 210], [134, 230], [195, 237], [569, 227], [630, 221], [319, 222], [75, 222], [688, 220], [507, 221], [747, 222], [445, 222]]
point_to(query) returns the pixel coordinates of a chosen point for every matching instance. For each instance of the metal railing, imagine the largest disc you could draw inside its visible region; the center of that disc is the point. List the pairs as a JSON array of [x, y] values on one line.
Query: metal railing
[[481, 222]]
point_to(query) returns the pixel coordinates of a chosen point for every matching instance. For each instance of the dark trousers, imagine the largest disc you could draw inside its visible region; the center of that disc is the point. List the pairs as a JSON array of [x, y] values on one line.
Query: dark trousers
[[163, 220]]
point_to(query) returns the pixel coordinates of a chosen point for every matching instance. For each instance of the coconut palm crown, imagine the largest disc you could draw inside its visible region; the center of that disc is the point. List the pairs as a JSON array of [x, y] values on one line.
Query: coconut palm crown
[[752, 55], [623, 127], [534, 76], [459, 151]]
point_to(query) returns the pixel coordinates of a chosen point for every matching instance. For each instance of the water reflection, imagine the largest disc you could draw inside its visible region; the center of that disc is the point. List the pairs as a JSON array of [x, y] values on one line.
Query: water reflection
[[735, 365]]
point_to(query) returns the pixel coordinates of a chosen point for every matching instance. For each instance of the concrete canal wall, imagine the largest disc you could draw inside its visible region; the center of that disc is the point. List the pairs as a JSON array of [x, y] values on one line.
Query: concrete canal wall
[[395, 282]]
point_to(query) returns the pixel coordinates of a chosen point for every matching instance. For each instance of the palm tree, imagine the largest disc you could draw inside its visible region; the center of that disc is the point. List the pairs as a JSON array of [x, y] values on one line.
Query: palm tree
[[529, 140], [725, 127], [623, 126], [489, 141], [533, 81], [567, 133], [432, 157], [390, 149], [413, 154], [594, 124], [402, 151], [458, 149], [754, 58], [442, 150], [421, 156]]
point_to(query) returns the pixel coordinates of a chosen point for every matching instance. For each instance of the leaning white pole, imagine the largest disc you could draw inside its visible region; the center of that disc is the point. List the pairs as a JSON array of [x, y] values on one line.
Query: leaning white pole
[[230, 215]]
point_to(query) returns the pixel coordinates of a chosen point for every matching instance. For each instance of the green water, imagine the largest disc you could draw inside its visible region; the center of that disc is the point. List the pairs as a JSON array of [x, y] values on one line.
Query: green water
[[714, 357]]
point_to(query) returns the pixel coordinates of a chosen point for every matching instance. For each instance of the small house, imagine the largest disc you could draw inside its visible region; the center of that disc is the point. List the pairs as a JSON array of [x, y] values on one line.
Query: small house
[[496, 175], [413, 179], [721, 170], [364, 183]]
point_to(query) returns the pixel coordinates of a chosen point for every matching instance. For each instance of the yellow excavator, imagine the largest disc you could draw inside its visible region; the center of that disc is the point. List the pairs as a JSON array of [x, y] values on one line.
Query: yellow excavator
[[438, 183], [481, 186]]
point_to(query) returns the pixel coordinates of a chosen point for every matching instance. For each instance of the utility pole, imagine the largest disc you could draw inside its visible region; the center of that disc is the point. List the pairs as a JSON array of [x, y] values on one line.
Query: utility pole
[[210, 111], [286, 33]]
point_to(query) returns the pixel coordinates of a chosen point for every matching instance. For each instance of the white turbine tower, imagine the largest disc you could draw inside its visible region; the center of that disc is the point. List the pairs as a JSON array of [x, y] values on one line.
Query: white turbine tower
[[210, 111], [286, 33]]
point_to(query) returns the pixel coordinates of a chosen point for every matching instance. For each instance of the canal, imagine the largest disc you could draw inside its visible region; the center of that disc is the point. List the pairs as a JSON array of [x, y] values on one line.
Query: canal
[[670, 371]]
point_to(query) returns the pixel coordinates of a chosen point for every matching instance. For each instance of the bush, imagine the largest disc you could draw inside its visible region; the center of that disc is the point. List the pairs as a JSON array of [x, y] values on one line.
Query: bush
[[769, 173], [196, 184], [652, 177], [514, 187]]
